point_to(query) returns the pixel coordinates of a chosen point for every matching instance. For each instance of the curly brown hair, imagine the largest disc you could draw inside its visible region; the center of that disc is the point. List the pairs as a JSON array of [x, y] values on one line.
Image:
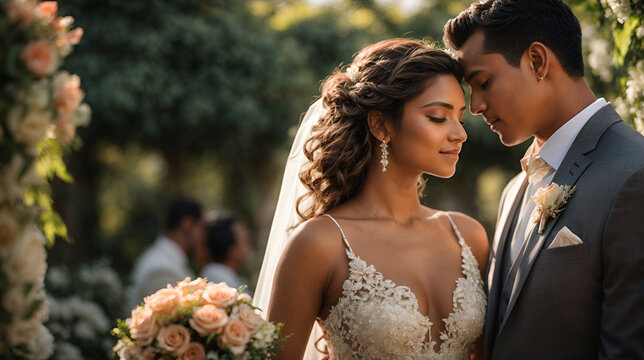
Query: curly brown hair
[[383, 77]]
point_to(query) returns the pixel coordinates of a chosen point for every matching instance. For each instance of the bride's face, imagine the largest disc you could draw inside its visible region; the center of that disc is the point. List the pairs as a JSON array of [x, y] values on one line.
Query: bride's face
[[431, 133]]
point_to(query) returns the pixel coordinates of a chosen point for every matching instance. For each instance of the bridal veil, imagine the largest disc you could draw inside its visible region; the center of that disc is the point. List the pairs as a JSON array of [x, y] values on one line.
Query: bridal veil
[[286, 217]]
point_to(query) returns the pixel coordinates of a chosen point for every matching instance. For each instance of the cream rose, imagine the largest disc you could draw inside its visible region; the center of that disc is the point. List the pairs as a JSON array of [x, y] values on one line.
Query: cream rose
[[23, 332], [26, 263], [8, 228], [249, 317], [67, 92], [174, 339], [38, 94], [244, 297], [10, 188], [164, 301], [553, 196], [188, 287], [236, 335], [32, 127], [15, 302], [220, 295], [194, 351], [40, 58], [208, 319], [143, 326], [83, 115], [42, 346]]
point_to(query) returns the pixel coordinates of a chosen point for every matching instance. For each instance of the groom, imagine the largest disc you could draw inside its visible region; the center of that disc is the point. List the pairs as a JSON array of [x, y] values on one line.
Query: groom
[[564, 281]]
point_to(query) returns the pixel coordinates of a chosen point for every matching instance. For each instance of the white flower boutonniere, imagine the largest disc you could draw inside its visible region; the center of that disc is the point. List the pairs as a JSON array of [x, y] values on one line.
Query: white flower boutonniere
[[550, 202]]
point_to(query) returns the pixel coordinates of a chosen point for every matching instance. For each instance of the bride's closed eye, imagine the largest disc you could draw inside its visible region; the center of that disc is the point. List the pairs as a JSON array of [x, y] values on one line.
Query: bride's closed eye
[[437, 119], [485, 84]]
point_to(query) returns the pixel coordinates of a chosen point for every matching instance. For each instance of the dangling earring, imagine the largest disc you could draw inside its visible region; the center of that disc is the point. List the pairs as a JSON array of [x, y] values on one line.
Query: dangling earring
[[383, 156]]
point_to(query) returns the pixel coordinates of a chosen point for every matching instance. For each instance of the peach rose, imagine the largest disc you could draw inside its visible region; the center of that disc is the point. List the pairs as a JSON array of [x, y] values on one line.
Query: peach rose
[[220, 295], [235, 335], [19, 11], [149, 353], [65, 129], [40, 58], [48, 9], [174, 339], [249, 317], [143, 326], [164, 301], [67, 92], [194, 299], [73, 37], [208, 319], [194, 351]]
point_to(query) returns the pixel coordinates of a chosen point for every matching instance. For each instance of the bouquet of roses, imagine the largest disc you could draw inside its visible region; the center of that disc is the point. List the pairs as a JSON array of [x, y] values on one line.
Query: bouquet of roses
[[196, 320]]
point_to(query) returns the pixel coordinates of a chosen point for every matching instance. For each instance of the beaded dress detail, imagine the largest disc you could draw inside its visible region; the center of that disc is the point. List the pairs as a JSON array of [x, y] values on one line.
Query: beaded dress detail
[[376, 319]]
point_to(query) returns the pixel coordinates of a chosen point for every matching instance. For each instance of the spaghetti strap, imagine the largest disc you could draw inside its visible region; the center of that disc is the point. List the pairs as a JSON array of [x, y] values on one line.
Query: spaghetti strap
[[461, 241], [344, 238]]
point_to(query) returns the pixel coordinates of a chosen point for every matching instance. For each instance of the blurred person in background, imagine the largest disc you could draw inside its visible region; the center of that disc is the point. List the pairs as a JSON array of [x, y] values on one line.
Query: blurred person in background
[[166, 260], [225, 250]]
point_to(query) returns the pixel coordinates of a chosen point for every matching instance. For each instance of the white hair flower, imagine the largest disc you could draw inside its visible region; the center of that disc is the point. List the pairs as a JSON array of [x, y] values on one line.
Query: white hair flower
[[353, 73]]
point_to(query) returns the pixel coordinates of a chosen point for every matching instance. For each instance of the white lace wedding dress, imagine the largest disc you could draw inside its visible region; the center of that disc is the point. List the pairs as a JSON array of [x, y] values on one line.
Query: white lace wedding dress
[[376, 319]]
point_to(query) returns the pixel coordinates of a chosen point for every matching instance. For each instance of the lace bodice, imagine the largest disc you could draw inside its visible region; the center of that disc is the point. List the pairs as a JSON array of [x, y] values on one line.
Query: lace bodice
[[376, 319]]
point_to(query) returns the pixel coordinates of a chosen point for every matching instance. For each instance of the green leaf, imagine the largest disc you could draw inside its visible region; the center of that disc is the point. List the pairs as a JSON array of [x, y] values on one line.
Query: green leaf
[[53, 226], [622, 37]]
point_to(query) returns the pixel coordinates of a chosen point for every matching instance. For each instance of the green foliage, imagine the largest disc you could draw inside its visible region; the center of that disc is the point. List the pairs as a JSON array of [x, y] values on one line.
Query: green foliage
[[623, 37]]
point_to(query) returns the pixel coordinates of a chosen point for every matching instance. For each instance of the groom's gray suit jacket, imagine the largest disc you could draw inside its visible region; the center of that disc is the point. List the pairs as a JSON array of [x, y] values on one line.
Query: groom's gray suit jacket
[[582, 301]]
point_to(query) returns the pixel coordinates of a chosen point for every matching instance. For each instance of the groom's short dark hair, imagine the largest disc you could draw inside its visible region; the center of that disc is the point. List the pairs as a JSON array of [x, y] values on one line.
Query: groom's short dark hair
[[510, 26], [179, 209]]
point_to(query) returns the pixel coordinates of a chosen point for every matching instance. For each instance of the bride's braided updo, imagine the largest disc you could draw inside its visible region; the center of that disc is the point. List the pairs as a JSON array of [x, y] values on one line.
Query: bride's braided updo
[[383, 76]]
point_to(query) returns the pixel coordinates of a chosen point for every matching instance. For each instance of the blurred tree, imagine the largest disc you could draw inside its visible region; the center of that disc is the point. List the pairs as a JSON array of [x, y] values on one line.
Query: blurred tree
[[185, 78]]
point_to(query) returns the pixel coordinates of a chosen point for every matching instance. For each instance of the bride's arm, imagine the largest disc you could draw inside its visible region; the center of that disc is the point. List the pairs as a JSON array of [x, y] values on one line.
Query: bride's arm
[[300, 281]]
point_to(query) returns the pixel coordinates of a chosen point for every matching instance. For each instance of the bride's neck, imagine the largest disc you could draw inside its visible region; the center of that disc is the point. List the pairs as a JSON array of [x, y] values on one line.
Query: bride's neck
[[390, 195]]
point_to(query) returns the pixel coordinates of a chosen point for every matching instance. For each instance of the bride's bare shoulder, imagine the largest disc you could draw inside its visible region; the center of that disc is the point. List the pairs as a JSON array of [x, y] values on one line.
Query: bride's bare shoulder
[[318, 237], [474, 235]]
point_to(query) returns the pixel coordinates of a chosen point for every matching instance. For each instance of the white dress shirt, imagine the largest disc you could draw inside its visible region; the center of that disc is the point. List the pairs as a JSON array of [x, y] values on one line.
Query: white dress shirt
[[552, 152], [217, 272], [164, 262]]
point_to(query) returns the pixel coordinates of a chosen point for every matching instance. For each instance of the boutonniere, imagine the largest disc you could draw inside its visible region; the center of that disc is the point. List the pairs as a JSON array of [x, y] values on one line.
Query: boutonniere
[[551, 201]]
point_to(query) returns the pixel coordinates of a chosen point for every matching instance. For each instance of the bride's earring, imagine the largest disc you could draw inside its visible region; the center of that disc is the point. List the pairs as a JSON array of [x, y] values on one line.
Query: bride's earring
[[383, 155]]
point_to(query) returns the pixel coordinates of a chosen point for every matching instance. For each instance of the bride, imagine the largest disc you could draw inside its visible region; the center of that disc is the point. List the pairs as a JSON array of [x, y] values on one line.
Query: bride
[[383, 276]]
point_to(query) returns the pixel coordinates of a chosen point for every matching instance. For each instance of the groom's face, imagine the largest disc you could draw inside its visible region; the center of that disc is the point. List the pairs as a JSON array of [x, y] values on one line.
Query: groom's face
[[505, 95]]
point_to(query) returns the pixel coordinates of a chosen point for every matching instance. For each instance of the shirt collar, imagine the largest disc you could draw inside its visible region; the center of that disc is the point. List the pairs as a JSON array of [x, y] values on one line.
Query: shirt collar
[[555, 148]]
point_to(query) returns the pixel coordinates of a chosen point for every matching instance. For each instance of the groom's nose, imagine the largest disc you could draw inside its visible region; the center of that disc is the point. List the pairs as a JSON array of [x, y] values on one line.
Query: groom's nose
[[477, 104]]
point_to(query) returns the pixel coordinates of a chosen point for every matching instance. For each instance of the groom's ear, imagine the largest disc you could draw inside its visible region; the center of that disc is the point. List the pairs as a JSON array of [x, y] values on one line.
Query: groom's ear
[[378, 125], [539, 59]]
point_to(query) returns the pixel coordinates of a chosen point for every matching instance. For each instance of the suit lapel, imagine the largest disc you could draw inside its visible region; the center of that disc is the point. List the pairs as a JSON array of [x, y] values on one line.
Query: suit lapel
[[569, 172], [510, 205]]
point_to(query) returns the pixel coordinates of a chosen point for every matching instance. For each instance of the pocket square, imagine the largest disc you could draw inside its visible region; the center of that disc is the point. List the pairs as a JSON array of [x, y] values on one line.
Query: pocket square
[[565, 237]]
